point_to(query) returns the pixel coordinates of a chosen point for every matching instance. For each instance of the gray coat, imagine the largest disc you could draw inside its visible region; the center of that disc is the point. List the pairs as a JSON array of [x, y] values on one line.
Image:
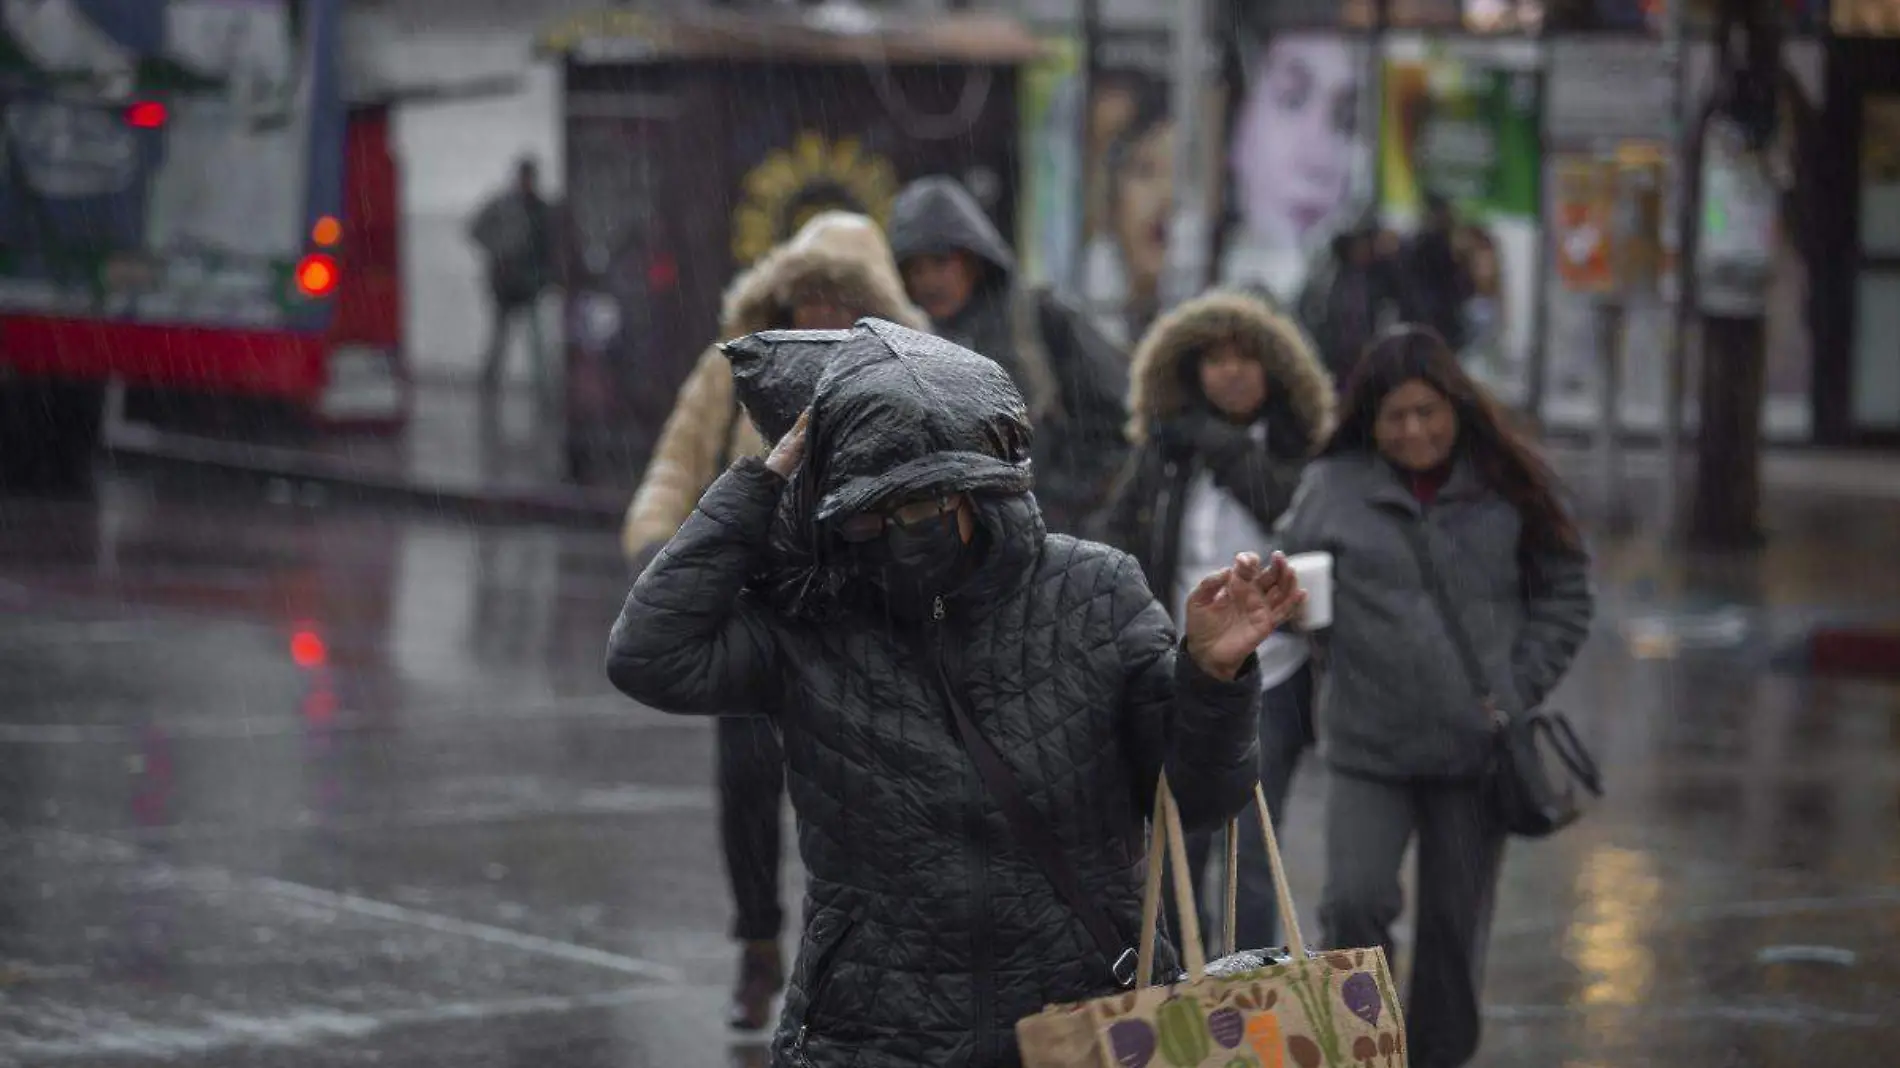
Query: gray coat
[[1396, 703]]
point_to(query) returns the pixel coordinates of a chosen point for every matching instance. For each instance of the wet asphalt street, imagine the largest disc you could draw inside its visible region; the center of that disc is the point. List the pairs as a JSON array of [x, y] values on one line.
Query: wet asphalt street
[[305, 786]]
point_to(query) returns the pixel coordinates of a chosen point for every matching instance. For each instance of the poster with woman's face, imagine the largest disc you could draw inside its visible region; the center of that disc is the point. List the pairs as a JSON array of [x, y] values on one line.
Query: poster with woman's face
[[1298, 157], [1131, 197]]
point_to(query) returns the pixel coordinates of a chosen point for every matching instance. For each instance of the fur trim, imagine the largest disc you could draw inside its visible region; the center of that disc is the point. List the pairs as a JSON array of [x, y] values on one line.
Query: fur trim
[[832, 256], [1155, 392]]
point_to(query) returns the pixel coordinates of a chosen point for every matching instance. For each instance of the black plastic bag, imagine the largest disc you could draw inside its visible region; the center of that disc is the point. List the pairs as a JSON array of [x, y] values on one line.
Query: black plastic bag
[[896, 414], [775, 374]]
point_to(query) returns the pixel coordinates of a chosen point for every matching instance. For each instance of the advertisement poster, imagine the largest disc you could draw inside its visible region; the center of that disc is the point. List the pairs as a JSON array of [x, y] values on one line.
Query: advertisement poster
[[1110, 248], [1581, 227], [1466, 130], [1572, 380], [1049, 220], [1299, 160], [189, 208]]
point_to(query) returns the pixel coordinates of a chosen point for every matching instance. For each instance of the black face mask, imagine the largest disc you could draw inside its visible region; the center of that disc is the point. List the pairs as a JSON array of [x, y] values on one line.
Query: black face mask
[[925, 554], [913, 565]]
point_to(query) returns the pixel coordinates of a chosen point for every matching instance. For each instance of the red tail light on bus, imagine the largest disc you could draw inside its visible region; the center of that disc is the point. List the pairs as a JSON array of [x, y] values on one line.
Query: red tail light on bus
[[316, 276]]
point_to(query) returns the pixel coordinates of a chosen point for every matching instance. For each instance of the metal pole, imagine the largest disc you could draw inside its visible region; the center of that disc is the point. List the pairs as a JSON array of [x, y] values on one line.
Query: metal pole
[[1089, 15], [1674, 52], [1609, 331], [1537, 362], [1186, 273]]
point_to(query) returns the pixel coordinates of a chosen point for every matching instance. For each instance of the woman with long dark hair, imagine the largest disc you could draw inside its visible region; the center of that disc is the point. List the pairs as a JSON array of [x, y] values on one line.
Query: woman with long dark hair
[[1424, 472]]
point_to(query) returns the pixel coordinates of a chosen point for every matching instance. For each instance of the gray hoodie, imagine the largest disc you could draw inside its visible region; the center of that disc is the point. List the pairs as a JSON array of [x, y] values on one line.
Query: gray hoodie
[[1072, 377]]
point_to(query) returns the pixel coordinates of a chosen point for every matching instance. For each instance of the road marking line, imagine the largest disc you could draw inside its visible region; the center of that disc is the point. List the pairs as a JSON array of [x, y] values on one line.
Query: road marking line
[[632, 800], [221, 1031], [500, 936], [218, 878], [605, 712]]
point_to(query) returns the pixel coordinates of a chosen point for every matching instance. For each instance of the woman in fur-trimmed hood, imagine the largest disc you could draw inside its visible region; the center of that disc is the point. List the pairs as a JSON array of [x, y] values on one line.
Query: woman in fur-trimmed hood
[[836, 270], [1227, 400]]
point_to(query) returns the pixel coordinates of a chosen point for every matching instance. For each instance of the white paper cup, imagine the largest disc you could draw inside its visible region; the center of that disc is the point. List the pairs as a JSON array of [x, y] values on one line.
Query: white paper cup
[[1315, 572]]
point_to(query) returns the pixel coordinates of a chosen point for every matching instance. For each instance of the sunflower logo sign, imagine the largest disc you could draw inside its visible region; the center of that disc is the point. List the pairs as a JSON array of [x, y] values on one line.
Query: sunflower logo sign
[[790, 185]]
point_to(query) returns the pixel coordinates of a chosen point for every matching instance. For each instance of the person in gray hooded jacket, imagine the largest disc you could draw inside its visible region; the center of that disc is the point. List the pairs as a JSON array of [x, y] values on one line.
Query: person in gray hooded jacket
[[961, 272], [1420, 445]]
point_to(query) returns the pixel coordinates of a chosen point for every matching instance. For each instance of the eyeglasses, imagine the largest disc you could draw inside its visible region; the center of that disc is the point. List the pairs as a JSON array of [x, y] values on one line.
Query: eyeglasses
[[869, 526]]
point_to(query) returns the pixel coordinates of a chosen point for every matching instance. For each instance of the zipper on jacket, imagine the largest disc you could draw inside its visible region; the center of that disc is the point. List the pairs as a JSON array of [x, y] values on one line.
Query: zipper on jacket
[[1165, 536], [822, 970], [976, 866]]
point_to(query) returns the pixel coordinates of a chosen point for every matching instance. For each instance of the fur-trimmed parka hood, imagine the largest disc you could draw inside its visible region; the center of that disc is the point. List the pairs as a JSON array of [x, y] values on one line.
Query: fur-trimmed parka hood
[[1294, 372], [839, 255]]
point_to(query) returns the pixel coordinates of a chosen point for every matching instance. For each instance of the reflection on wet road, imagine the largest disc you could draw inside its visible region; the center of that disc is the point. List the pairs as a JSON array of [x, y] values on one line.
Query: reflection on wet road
[[308, 788]]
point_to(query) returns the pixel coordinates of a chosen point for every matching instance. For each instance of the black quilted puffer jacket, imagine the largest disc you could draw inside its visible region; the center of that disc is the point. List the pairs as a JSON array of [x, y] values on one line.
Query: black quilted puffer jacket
[[929, 931]]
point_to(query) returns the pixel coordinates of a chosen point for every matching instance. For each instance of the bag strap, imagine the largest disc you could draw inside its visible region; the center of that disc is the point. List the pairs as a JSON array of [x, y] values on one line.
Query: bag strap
[[1168, 845], [1032, 833], [1168, 842], [1289, 916], [1230, 928], [1454, 625], [1564, 742]]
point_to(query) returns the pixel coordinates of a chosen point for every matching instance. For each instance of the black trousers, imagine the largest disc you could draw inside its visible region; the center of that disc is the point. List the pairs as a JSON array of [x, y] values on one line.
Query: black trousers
[[1369, 822], [751, 827], [1286, 733]]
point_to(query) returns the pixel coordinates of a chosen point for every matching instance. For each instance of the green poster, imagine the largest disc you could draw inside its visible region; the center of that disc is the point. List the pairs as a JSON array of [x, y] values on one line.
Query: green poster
[[1465, 131], [1047, 149]]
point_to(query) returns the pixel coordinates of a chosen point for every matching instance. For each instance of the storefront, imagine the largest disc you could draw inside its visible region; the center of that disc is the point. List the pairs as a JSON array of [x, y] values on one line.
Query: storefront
[[1857, 285], [694, 144]]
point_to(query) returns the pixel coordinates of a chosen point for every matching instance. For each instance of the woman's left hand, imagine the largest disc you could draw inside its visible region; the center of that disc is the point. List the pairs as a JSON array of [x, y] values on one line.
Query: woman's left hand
[[1236, 608]]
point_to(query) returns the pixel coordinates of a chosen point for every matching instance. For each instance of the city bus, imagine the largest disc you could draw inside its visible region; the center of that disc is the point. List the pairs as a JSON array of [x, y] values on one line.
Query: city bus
[[187, 205]]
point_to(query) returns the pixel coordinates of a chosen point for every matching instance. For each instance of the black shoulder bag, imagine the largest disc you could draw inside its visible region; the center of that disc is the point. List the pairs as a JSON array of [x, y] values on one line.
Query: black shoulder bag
[[1525, 796], [1034, 836]]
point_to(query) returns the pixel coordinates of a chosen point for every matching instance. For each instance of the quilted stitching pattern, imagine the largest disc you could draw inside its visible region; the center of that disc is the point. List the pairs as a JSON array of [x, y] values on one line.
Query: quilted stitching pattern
[[929, 931], [1075, 679]]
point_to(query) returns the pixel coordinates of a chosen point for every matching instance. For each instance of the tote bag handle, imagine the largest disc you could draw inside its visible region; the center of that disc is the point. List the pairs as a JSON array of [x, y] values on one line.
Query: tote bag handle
[[1168, 840]]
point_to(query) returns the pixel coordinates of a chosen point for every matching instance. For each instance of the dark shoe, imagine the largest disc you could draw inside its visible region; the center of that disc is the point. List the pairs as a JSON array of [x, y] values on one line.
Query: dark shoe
[[761, 977]]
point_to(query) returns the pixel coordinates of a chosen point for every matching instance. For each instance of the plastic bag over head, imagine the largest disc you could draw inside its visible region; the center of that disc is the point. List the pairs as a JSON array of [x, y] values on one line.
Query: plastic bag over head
[[776, 372], [896, 415]]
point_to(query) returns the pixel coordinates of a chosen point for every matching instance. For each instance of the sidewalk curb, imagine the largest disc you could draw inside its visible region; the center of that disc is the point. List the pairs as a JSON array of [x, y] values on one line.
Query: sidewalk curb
[[134, 447]]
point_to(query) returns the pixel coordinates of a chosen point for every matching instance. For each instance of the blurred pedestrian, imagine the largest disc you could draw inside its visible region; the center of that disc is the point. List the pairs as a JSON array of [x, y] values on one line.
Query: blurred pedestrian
[[1355, 290], [975, 713], [1228, 401], [514, 232], [1425, 471], [958, 268], [1437, 275], [835, 270]]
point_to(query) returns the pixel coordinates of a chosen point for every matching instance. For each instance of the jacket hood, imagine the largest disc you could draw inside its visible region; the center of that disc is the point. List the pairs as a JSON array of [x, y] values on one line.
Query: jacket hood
[[840, 255], [935, 215], [896, 414], [1156, 392]]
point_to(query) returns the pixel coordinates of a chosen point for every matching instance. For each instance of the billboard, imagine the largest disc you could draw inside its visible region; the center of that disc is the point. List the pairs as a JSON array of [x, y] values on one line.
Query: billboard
[[1299, 158], [1116, 145], [1466, 128]]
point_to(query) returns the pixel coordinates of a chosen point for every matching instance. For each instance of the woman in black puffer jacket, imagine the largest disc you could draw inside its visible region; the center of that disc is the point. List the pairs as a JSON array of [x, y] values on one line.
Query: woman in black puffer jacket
[[909, 568]]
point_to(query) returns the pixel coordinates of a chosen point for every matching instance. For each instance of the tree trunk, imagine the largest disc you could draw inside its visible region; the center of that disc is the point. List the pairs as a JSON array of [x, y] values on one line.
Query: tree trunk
[[1727, 508]]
